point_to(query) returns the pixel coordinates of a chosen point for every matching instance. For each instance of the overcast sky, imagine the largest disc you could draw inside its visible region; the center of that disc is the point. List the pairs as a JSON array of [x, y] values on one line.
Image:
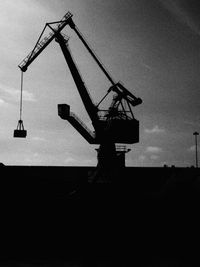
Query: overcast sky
[[152, 46]]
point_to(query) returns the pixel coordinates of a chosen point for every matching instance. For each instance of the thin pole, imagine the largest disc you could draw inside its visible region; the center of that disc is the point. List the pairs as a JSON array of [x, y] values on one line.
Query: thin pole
[[93, 55], [196, 148], [196, 151]]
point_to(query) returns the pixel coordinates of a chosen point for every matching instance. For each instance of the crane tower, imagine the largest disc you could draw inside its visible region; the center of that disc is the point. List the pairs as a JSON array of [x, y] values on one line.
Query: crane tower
[[113, 126]]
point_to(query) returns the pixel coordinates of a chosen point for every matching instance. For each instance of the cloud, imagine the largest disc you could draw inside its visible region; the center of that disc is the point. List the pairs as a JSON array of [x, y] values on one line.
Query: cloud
[[136, 160], [13, 95], [17, 18], [70, 160], [154, 157], [73, 160], [155, 130], [142, 158], [175, 8], [153, 149], [16, 15], [37, 138], [193, 148], [33, 158], [2, 102], [194, 124], [147, 66]]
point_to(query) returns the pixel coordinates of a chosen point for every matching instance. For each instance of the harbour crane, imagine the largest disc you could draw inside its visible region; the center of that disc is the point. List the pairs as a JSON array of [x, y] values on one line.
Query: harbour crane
[[113, 126]]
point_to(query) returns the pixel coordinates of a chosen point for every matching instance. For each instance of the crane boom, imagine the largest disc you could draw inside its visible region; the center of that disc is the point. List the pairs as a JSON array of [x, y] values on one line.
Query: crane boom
[[42, 43], [87, 101]]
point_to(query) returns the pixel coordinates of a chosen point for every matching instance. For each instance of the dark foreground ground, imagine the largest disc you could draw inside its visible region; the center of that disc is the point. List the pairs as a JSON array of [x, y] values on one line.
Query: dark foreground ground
[[52, 216]]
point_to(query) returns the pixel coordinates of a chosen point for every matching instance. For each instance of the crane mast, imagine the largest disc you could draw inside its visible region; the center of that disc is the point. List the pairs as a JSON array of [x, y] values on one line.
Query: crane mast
[[117, 125]]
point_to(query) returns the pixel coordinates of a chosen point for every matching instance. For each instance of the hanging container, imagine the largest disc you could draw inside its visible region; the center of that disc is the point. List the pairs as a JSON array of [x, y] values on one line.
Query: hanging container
[[20, 132]]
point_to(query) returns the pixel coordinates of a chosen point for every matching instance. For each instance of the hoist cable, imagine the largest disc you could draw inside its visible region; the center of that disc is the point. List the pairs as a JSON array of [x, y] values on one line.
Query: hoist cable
[[20, 117], [96, 58]]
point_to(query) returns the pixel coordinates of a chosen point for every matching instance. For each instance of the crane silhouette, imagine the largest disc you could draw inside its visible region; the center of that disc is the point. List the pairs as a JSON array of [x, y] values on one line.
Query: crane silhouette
[[112, 126]]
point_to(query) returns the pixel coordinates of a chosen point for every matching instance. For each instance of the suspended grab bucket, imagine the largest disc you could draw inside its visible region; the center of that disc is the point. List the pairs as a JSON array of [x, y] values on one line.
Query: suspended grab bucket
[[20, 132]]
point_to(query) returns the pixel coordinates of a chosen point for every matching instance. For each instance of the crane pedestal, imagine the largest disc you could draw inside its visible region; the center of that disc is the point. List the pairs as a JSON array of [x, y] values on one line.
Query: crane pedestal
[[111, 160]]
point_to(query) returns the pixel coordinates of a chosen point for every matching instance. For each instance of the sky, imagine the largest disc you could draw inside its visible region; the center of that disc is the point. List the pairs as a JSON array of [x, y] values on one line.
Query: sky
[[153, 47]]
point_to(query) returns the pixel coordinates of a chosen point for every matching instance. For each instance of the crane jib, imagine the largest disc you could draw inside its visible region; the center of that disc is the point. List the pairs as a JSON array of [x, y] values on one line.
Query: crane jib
[[42, 43]]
